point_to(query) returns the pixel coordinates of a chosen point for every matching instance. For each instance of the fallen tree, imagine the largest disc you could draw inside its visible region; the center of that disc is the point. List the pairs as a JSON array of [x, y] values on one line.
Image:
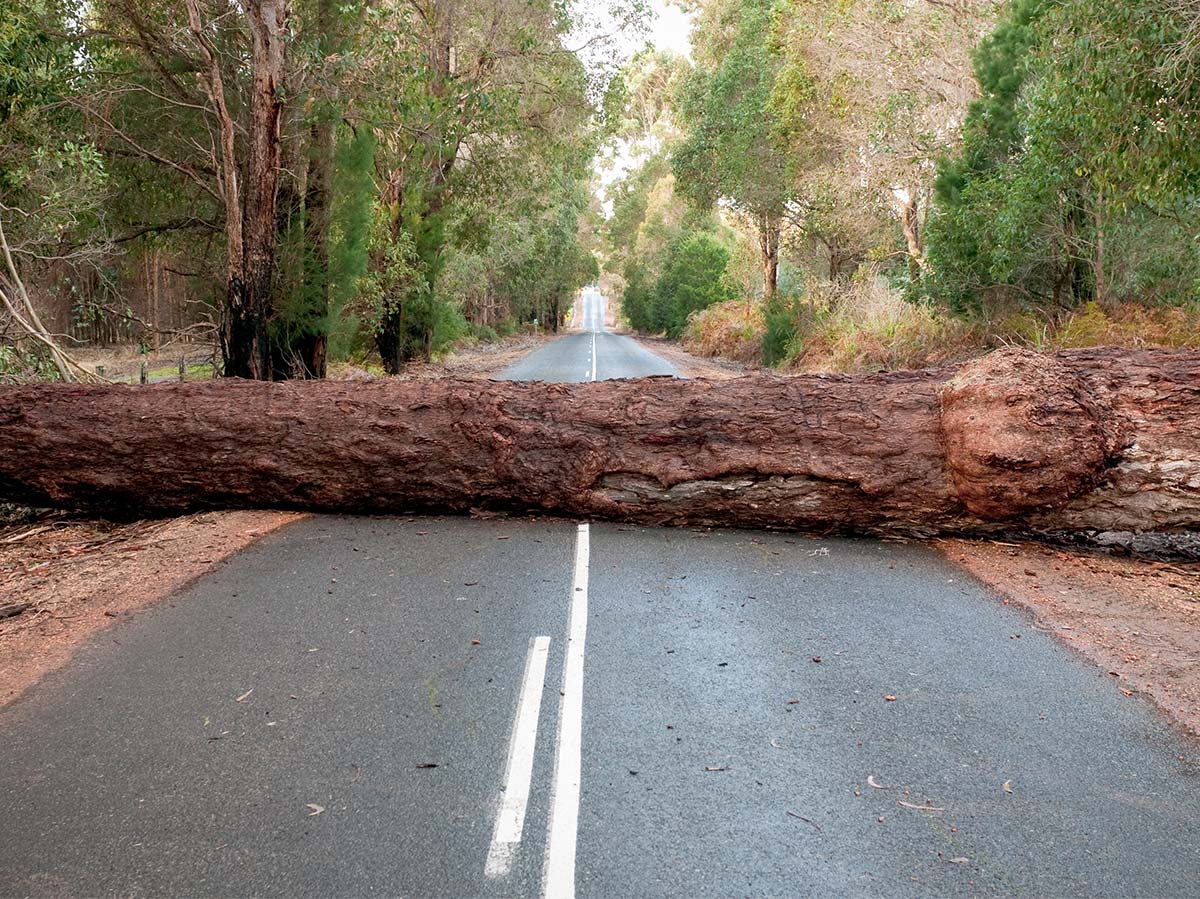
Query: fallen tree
[[1105, 440]]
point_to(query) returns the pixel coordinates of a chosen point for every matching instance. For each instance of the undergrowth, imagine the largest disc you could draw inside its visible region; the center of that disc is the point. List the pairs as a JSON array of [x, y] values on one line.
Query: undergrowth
[[871, 327]]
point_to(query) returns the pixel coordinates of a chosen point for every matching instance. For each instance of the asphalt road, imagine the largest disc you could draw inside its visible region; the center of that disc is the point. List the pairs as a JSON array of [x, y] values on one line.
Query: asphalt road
[[523, 708]]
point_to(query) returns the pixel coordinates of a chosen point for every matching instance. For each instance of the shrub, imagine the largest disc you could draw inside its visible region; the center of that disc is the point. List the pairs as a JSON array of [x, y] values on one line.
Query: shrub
[[734, 329]]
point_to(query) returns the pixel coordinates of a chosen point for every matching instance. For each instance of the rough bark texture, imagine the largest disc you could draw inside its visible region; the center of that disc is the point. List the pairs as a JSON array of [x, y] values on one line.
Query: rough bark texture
[[1104, 440]]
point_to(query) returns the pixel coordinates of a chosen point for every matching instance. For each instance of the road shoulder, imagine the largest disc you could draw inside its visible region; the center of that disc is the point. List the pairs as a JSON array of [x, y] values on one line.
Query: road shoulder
[[71, 578], [1137, 620]]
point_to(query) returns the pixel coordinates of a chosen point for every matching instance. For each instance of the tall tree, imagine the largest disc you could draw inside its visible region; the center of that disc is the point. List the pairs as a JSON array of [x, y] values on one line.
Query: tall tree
[[250, 209], [734, 151]]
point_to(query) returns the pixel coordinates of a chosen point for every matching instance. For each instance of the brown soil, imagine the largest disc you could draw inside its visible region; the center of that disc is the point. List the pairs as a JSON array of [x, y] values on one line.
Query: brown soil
[[1139, 621], [79, 576]]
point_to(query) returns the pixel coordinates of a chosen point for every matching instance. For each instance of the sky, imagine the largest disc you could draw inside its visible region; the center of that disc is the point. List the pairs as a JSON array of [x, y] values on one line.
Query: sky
[[670, 28]]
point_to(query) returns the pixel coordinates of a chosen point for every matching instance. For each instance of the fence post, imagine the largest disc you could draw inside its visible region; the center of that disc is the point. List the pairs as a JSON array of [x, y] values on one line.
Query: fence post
[[183, 368], [143, 372]]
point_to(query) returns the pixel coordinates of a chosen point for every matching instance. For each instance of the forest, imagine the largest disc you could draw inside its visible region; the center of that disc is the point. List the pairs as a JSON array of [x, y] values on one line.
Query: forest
[[292, 182], [852, 186], [879, 184]]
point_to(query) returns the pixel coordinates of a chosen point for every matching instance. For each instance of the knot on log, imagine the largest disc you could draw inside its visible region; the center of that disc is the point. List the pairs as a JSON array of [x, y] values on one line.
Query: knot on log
[[1022, 434]]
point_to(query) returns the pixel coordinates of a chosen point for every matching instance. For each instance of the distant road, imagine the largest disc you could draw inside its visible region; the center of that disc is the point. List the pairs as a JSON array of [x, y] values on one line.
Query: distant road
[[448, 707], [590, 354]]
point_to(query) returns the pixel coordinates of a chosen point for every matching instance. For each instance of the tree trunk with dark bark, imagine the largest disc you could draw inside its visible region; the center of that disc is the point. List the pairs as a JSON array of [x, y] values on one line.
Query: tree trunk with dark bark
[[250, 225], [1105, 440]]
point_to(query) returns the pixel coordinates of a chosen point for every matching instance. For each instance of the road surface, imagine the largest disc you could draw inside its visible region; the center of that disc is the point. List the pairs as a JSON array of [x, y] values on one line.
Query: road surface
[[446, 707]]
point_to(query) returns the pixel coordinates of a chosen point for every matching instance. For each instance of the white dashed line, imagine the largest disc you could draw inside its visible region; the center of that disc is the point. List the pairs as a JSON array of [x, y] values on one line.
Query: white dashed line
[[510, 818]]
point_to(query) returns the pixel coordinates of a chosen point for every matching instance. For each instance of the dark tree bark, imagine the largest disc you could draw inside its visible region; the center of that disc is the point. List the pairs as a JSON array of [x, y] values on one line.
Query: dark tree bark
[[1085, 440], [250, 221]]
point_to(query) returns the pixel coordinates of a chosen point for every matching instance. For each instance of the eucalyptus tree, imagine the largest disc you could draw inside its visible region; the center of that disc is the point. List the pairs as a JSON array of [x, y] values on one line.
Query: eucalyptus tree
[[735, 151]]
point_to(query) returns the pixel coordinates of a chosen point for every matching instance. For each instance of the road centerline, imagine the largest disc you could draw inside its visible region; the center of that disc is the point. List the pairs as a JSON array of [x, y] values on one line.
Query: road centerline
[[558, 876], [518, 775]]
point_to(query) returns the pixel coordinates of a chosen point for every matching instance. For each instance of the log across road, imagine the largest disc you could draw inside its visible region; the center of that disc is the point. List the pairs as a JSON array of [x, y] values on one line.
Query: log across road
[[524, 708]]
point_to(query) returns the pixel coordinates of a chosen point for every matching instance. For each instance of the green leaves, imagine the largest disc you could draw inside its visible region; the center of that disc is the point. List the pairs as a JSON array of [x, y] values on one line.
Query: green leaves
[[1075, 146]]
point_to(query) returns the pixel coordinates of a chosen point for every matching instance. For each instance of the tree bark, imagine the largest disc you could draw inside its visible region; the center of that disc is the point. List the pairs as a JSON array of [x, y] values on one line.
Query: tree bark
[[1105, 440], [250, 226], [768, 246]]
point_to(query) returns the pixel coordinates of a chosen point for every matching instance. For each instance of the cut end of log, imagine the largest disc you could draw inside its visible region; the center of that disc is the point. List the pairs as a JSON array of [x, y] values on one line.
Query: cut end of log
[[1022, 434]]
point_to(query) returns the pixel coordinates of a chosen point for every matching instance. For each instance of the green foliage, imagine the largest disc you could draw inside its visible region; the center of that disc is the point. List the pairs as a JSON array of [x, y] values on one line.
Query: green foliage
[[18, 367], [735, 145], [693, 279], [354, 194], [782, 320], [638, 300], [1078, 152]]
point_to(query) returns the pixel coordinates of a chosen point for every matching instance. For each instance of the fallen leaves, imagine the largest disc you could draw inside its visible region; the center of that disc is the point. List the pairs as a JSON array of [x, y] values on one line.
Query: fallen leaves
[[245, 695], [316, 809], [426, 765], [871, 782], [716, 767], [1008, 786], [920, 808], [889, 698]]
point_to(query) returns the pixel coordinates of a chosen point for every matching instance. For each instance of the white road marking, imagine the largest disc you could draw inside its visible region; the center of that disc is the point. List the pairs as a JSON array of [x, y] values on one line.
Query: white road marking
[[510, 818], [593, 355], [558, 874]]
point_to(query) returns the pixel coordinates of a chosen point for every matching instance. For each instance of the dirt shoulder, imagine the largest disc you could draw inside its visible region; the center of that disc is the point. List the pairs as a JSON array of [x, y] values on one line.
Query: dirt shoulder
[[70, 578], [690, 366], [1139, 621]]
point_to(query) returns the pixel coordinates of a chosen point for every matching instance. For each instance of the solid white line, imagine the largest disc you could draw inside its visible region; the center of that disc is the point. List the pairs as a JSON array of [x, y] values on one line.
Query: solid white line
[[510, 818], [558, 875], [593, 355]]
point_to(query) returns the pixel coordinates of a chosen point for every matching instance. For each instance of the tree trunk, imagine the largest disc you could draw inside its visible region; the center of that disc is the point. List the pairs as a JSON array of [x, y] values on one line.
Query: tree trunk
[[1105, 440], [250, 226], [268, 19], [768, 245], [914, 240]]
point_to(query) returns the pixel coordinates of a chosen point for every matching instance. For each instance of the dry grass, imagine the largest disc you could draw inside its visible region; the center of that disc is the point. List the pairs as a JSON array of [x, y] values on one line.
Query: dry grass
[[870, 327], [731, 330]]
